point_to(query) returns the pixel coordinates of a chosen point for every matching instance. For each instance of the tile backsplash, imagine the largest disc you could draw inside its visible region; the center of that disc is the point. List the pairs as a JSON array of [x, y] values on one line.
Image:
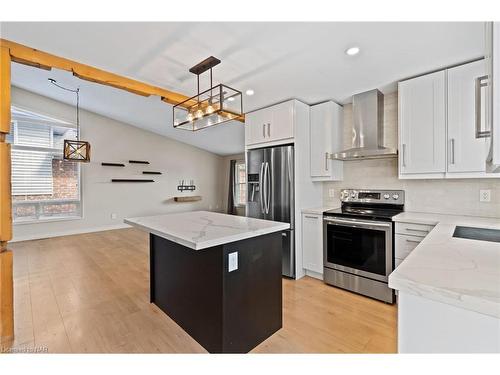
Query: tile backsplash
[[460, 196]]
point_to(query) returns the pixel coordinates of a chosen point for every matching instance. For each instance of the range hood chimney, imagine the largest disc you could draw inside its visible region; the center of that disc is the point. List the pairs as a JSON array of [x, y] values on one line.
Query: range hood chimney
[[368, 129]]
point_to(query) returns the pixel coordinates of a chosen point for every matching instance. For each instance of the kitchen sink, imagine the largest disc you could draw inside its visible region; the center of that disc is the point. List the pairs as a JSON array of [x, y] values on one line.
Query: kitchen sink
[[481, 234]]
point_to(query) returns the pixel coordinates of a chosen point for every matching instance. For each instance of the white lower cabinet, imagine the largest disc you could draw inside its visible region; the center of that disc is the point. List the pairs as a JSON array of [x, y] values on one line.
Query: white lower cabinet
[[407, 238], [312, 242]]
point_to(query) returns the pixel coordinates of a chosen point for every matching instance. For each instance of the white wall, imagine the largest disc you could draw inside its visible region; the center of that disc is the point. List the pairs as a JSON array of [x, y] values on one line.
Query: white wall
[[113, 141], [459, 196]]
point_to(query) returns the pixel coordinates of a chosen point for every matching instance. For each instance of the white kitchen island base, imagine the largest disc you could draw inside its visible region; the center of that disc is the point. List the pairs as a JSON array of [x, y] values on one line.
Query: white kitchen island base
[[426, 326]]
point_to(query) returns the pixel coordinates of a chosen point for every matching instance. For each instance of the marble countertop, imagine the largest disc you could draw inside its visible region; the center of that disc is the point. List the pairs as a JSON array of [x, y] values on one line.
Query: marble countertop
[[202, 229], [460, 272], [319, 210]]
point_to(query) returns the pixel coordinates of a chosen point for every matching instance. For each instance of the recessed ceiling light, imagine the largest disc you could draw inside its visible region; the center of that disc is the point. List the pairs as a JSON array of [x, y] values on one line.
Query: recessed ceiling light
[[249, 92], [352, 51]]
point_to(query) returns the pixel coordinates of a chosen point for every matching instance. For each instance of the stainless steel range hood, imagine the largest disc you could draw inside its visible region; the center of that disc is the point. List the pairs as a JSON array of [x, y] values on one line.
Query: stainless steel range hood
[[368, 129]]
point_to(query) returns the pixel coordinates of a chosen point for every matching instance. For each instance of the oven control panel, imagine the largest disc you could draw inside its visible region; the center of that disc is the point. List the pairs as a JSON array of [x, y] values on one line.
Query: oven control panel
[[373, 196]]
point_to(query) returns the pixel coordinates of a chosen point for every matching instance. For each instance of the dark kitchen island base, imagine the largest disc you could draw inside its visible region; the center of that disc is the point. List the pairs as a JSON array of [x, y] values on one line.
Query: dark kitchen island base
[[226, 312]]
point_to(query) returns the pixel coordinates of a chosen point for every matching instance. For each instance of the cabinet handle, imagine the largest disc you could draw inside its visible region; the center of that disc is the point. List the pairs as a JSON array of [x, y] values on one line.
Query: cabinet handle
[[326, 161], [415, 241], [268, 129], [264, 130], [417, 230], [480, 82], [452, 151], [310, 217], [404, 155]]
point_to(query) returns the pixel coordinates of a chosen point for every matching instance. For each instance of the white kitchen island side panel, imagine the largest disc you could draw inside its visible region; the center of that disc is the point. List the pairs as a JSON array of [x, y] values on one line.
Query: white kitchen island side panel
[[426, 326]]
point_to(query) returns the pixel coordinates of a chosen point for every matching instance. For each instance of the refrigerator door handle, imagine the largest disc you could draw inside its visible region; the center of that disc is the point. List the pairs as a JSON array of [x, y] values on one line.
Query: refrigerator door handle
[[267, 185], [261, 187]]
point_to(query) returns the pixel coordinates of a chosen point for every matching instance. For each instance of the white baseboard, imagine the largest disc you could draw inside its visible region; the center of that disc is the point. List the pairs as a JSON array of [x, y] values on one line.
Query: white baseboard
[[316, 275], [39, 236]]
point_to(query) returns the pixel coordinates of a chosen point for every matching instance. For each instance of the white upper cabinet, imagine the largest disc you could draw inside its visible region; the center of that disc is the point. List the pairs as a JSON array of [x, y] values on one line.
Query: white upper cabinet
[[326, 131], [422, 125], [270, 125], [466, 153]]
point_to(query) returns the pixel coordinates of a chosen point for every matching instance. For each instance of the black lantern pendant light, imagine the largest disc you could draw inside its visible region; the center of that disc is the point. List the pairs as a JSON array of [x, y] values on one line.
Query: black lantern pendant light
[[218, 104], [75, 150]]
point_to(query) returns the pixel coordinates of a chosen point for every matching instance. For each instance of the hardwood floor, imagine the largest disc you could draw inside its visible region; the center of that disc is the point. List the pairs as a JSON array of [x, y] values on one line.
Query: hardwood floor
[[89, 293]]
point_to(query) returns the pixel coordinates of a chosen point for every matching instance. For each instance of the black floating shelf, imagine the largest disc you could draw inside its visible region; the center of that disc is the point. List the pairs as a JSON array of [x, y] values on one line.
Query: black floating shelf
[[150, 172], [138, 162], [113, 164], [130, 180]]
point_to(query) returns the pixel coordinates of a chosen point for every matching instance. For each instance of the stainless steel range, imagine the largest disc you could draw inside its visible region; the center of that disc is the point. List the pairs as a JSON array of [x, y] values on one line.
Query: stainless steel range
[[359, 241]]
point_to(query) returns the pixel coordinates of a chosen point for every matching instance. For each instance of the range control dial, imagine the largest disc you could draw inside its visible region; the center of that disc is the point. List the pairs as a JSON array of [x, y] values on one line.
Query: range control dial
[[386, 196], [395, 196]]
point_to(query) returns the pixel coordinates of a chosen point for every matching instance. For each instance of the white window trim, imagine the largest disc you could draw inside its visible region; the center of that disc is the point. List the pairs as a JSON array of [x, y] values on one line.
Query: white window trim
[[53, 122], [239, 205]]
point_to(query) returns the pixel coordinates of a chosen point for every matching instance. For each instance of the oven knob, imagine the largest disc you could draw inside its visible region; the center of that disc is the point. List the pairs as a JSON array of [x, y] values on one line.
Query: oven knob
[[386, 196], [395, 196], [353, 195]]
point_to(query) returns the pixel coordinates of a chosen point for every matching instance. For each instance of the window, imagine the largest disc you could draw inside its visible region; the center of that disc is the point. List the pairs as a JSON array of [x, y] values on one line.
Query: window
[[240, 179], [44, 186]]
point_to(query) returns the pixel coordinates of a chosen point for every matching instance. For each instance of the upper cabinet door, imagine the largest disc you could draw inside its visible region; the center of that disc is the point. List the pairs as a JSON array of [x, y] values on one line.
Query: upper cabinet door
[[270, 124], [422, 124], [256, 126], [466, 153], [326, 131], [282, 124]]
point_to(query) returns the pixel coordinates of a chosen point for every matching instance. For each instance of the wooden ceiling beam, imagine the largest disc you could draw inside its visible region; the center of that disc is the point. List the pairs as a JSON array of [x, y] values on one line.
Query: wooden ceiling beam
[[30, 56], [33, 57]]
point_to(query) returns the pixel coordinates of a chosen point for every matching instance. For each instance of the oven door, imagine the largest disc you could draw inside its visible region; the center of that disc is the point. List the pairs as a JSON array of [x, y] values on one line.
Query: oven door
[[360, 247]]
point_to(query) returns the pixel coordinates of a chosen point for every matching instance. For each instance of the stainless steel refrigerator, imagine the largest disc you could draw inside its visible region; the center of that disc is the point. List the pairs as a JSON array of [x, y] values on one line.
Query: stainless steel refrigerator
[[270, 196]]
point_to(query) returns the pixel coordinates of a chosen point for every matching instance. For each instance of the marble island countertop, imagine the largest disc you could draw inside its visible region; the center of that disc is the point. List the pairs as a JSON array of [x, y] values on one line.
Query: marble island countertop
[[457, 271], [202, 229]]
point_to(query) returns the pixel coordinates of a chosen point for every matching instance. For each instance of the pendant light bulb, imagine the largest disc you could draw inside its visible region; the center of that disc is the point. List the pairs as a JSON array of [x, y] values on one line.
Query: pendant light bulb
[[198, 114], [190, 117], [209, 109]]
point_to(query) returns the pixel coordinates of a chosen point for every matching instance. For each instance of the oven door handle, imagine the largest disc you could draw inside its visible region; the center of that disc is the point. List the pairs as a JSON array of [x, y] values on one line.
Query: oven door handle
[[354, 223]]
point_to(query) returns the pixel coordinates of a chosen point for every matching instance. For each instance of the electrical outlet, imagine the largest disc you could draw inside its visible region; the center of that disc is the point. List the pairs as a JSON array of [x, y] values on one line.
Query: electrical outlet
[[331, 193], [485, 195], [232, 262], [113, 216]]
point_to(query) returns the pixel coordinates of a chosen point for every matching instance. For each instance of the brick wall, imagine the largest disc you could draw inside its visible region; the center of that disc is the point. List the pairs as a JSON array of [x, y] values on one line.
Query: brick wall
[[65, 186]]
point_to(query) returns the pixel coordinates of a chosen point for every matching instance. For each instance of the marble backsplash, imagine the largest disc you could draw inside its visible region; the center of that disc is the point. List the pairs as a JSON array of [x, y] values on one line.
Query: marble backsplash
[[459, 196]]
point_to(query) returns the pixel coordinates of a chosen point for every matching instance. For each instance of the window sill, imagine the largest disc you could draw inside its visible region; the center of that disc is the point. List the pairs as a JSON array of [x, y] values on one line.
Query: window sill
[[47, 220]]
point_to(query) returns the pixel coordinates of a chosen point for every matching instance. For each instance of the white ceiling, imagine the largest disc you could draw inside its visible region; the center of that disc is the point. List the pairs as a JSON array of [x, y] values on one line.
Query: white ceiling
[[278, 60]]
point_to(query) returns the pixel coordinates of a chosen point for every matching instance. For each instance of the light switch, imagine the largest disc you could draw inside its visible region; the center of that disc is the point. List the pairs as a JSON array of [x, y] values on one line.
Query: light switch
[[232, 261]]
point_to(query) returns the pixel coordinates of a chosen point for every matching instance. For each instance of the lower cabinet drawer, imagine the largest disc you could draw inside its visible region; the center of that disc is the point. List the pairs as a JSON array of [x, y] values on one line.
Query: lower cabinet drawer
[[405, 244], [412, 229]]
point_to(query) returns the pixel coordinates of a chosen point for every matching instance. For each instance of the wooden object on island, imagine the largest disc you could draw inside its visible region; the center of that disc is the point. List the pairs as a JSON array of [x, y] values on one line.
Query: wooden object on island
[[6, 275], [194, 198]]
